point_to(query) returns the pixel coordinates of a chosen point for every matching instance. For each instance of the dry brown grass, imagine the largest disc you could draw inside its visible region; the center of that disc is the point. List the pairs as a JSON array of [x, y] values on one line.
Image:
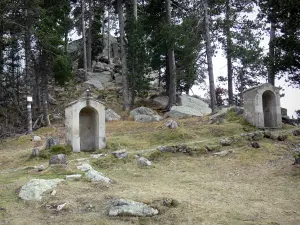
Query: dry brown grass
[[251, 186]]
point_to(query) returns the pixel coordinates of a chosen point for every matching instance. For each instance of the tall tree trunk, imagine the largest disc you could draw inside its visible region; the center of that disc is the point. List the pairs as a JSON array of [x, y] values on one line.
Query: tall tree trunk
[[126, 93], [84, 41], [133, 50], [1, 48], [209, 53], [66, 33], [28, 79], [103, 29], [171, 61], [229, 53], [134, 3], [44, 79], [271, 71], [242, 86], [89, 44], [108, 34]]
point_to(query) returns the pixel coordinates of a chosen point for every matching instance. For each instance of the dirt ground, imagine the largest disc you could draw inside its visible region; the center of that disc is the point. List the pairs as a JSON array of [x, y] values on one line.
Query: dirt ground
[[249, 186]]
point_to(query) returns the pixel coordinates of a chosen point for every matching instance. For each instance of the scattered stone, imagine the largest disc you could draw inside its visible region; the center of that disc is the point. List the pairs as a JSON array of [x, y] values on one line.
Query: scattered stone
[[176, 148], [52, 141], [282, 137], [165, 148], [35, 152], [73, 177], [123, 207], [111, 115], [172, 124], [97, 156], [41, 168], [58, 159], [169, 202], [53, 193], [60, 207], [256, 136], [37, 138], [270, 135], [223, 153], [141, 161], [255, 145], [92, 174], [84, 167], [225, 142], [219, 115], [296, 132], [96, 176], [120, 154], [35, 188]]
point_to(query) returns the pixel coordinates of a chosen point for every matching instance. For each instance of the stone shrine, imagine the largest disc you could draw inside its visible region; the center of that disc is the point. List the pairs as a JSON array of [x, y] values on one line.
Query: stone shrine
[[85, 124], [262, 106]]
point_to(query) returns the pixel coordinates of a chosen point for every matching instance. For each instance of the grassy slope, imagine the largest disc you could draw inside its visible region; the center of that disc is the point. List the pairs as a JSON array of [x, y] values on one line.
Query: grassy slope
[[251, 186]]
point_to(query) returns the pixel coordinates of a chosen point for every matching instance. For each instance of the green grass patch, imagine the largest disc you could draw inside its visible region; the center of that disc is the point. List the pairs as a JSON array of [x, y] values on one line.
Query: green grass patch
[[55, 150], [111, 161]]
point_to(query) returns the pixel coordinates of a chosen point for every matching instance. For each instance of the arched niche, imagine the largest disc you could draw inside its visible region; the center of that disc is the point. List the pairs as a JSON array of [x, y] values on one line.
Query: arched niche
[[88, 128], [85, 125], [269, 109]]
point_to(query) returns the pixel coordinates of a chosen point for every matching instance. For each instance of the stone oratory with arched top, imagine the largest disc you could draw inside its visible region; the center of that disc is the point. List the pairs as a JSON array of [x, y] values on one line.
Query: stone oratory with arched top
[[262, 106], [85, 124]]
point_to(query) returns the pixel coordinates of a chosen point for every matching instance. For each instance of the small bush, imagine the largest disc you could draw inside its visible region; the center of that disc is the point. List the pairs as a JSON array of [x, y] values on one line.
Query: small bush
[[156, 155], [110, 161], [61, 149], [55, 150]]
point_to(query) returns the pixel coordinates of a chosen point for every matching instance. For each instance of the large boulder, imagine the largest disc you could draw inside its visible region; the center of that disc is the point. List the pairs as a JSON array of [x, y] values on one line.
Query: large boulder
[[35, 188], [147, 118], [111, 115], [141, 111], [188, 106], [144, 114], [183, 112], [196, 104], [123, 207], [161, 101]]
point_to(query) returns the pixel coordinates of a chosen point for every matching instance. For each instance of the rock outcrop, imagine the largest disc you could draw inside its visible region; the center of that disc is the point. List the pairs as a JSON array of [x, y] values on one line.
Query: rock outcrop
[[35, 188]]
